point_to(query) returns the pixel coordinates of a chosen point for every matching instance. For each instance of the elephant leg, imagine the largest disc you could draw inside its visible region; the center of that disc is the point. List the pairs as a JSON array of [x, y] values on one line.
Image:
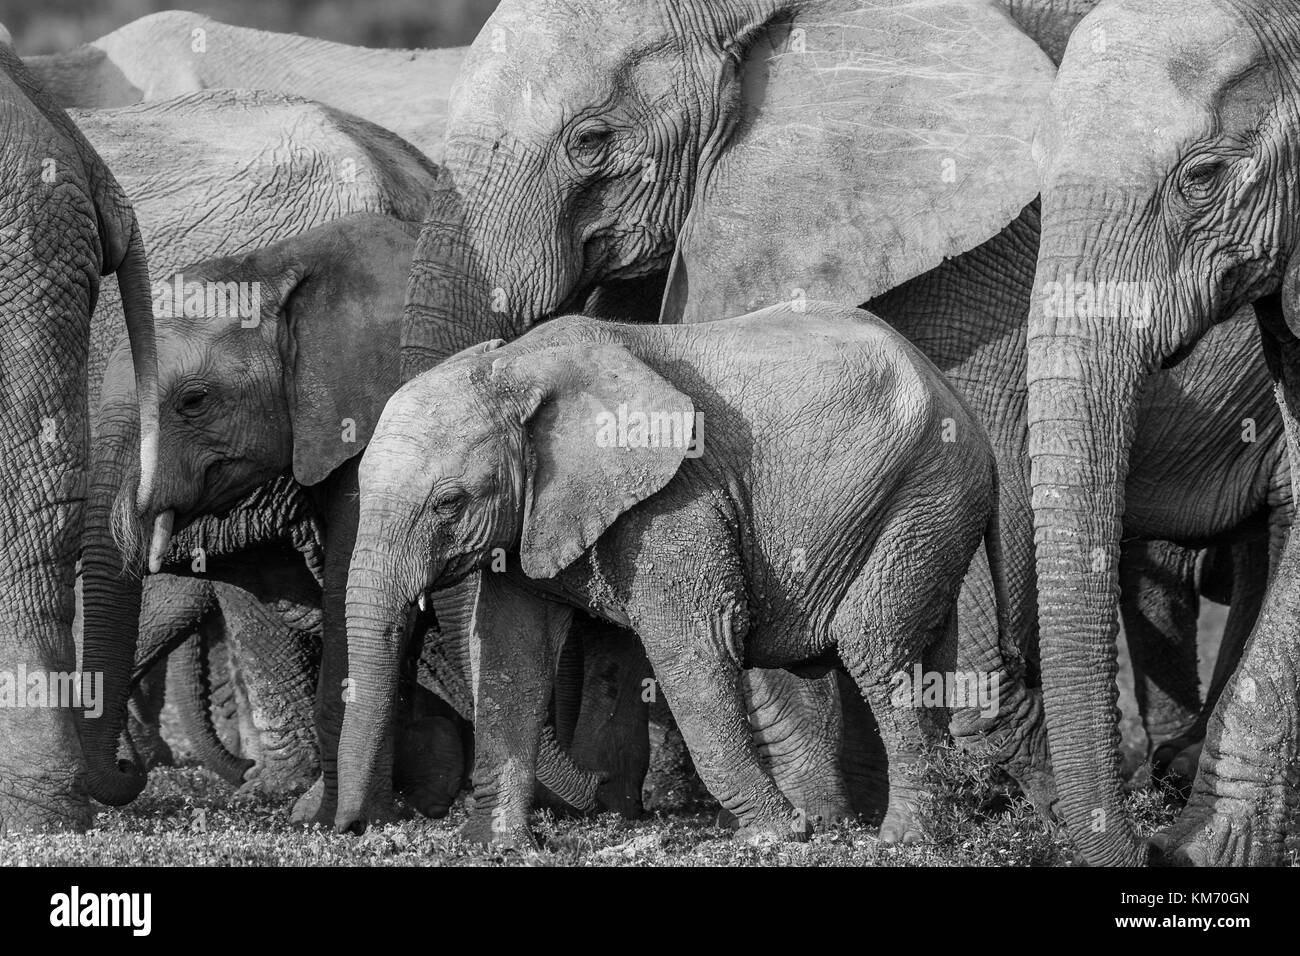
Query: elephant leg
[[276, 667], [611, 735], [863, 760], [706, 695], [797, 729], [1249, 573], [143, 719], [1159, 606], [1008, 724], [671, 784], [891, 622], [1246, 782]]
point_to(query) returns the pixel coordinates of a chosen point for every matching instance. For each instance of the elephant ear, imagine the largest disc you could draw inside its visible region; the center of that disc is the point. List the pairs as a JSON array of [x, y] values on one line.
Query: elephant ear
[[341, 314], [594, 448], [873, 141]]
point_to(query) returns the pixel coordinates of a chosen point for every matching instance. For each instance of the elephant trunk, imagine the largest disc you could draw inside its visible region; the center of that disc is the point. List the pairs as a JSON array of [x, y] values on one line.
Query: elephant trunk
[[111, 614], [479, 270], [1087, 366], [188, 671], [379, 622]]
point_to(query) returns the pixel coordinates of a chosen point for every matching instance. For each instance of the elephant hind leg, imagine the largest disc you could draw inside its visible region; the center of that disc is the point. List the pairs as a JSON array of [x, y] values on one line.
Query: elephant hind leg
[[886, 628], [796, 724]]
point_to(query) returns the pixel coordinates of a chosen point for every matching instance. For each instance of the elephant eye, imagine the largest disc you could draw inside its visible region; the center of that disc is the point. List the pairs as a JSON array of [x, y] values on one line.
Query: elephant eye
[[1200, 179], [449, 503], [589, 141], [193, 400]]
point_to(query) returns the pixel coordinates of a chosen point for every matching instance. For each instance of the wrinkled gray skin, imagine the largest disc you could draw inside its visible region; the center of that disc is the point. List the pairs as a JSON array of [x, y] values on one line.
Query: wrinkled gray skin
[[66, 222], [781, 544], [211, 174], [516, 185], [1168, 158], [1194, 481], [300, 388], [579, 177], [1049, 22], [175, 52]]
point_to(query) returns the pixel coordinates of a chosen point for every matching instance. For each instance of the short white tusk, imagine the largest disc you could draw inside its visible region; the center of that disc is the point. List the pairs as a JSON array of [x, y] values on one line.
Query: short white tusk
[[162, 539], [421, 602]]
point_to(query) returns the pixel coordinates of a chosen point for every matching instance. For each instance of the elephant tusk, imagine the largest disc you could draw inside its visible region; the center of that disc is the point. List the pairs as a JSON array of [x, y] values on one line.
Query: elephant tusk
[[162, 539], [422, 602]]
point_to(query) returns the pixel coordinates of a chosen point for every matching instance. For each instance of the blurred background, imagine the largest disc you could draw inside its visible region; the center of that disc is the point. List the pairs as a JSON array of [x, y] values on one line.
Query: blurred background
[[47, 26]]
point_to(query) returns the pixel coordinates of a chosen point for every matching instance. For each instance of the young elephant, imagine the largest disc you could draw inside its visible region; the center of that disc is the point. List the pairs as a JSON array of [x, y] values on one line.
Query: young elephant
[[775, 490]]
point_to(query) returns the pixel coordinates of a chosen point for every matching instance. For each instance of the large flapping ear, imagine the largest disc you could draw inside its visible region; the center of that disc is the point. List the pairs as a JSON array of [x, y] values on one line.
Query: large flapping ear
[[604, 432], [340, 325], [874, 141]]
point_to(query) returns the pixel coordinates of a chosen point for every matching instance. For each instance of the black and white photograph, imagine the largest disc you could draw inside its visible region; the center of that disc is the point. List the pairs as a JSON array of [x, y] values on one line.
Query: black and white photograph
[[651, 433]]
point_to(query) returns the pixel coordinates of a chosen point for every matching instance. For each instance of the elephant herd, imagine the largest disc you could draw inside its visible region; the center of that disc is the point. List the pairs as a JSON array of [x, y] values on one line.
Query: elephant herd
[[839, 375]]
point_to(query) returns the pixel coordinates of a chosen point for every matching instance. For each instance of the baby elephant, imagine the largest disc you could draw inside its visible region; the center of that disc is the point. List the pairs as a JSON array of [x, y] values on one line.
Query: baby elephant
[[798, 490]]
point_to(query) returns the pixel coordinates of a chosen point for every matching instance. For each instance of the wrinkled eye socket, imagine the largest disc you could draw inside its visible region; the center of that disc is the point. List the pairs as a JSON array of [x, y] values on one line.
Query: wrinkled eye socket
[[193, 400], [449, 503], [1201, 178], [591, 139]]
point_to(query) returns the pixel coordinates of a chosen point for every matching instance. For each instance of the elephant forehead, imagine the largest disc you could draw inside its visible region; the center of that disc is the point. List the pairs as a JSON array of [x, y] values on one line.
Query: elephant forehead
[[530, 69], [1136, 87]]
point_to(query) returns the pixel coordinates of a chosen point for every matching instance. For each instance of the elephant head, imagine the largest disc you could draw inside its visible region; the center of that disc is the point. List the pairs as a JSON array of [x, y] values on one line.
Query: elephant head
[[1169, 160], [764, 151], [493, 452], [65, 222], [278, 359]]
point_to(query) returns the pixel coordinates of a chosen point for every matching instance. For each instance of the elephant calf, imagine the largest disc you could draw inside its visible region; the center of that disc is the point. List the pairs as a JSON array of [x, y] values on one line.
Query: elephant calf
[[767, 491]]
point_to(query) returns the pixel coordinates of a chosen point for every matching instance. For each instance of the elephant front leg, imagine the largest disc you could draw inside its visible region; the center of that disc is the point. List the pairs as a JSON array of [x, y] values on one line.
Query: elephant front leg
[[518, 636], [1249, 770], [700, 673]]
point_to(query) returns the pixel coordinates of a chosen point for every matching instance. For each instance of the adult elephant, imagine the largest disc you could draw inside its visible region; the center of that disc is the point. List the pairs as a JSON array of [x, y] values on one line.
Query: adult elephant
[[211, 173], [174, 52], [64, 223], [1169, 202]]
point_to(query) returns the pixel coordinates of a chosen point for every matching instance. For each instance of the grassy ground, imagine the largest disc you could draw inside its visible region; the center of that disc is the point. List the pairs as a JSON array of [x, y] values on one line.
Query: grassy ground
[[187, 816]]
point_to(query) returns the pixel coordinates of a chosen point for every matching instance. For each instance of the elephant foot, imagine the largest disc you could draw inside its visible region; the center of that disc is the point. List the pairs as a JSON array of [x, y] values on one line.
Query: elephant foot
[[312, 808], [788, 827], [901, 823], [1219, 831], [498, 831], [1018, 746]]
